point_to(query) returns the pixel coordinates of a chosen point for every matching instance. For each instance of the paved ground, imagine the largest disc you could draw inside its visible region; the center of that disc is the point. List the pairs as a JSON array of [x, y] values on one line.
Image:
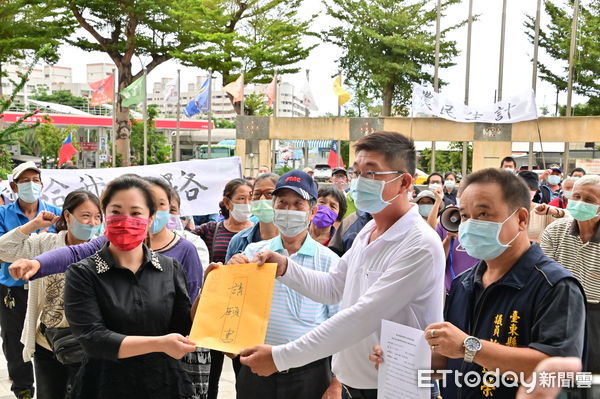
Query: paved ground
[[226, 386]]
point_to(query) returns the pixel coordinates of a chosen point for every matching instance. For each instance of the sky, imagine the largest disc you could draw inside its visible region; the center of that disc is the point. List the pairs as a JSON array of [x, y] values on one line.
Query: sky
[[485, 50]]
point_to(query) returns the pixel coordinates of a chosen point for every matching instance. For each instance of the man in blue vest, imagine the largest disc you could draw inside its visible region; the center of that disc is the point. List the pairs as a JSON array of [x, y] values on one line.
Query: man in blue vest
[[515, 308], [27, 184]]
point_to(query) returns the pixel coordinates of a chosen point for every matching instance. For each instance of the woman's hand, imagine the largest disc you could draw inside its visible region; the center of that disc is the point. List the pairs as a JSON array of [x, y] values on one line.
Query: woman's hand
[[210, 268], [238, 259], [24, 269], [176, 345], [43, 220]]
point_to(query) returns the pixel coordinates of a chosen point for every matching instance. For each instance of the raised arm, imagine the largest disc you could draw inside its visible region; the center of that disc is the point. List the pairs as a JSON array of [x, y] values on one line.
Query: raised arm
[[58, 260], [18, 243]]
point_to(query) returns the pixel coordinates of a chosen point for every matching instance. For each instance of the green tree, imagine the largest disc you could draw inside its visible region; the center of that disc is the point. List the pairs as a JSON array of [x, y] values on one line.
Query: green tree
[[50, 139], [446, 161], [254, 37], [148, 29], [10, 134], [6, 162], [388, 45], [158, 150], [591, 108], [255, 104], [555, 39], [30, 25]]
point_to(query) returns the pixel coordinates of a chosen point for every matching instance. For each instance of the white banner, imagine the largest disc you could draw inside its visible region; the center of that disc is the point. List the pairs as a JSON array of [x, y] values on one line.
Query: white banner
[[514, 109], [6, 190], [199, 183]]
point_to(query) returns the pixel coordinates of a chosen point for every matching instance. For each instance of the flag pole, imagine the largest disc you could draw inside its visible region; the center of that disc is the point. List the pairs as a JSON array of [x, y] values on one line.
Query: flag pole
[[145, 119], [242, 110], [501, 61], [338, 97], [436, 82], [306, 110], [276, 94], [572, 48], [465, 144], [114, 118], [536, 43], [209, 136], [177, 135]]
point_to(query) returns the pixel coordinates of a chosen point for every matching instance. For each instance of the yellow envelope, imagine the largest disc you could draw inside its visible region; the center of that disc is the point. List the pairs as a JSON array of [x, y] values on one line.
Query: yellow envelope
[[233, 312]]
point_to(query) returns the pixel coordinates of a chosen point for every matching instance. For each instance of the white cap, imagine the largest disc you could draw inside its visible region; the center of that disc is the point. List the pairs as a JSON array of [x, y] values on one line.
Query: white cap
[[425, 193], [29, 165]]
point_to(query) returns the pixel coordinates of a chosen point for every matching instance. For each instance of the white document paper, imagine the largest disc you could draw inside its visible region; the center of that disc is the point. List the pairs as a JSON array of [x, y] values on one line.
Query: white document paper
[[405, 351]]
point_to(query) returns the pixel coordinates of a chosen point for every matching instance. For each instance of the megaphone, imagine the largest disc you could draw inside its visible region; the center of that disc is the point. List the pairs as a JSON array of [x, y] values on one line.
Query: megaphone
[[450, 219]]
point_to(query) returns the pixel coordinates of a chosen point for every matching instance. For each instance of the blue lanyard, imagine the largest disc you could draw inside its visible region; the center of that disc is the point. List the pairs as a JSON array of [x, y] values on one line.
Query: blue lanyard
[[450, 256]]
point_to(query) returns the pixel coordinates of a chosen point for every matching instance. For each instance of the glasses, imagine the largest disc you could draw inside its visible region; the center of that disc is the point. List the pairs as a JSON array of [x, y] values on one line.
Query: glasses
[[258, 195], [371, 175]]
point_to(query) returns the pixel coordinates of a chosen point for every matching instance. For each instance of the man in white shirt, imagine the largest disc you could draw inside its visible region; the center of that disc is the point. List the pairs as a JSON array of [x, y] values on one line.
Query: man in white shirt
[[394, 271]]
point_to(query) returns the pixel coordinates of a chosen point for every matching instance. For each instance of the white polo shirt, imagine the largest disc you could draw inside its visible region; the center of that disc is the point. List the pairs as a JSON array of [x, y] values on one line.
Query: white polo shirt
[[397, 277]]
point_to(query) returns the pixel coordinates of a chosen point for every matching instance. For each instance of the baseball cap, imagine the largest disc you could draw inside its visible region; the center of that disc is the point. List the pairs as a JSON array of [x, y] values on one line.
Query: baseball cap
[[29, 165], [338, 170], [425, 193], [299, 182], [556, 169]]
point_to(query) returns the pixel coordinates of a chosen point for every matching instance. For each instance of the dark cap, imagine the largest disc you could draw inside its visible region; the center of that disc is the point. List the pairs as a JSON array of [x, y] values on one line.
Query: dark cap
[[300, 182], [556, 169], [338, 170], [531, 179]]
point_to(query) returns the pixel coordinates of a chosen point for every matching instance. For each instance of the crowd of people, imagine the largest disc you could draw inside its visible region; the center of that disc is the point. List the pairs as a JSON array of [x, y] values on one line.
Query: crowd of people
[[500, 269]]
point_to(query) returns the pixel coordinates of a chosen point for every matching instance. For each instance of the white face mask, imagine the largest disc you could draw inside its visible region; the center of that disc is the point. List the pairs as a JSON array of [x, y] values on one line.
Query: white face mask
[[241, 212], [511, 170], [434, 186], [290, 223]]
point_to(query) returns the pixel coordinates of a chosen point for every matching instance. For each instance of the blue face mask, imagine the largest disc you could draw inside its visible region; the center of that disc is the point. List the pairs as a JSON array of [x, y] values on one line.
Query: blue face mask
[[553, 180], [160, 221], [425, 210], [480, 238], [367, 194], [29, 192], [83, 232]]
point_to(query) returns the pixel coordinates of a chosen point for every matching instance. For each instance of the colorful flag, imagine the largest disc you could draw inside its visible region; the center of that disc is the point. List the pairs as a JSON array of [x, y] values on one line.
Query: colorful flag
[[134, 93], [308, 100], [67, 150], [103, 91], [170, 93], [271, 91], [236, 89], [200, 102], [335, 159], [343, 96]]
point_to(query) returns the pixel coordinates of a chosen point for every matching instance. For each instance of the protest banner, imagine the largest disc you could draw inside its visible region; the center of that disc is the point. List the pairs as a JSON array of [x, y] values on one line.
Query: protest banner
[[518, 108], [199, 183]]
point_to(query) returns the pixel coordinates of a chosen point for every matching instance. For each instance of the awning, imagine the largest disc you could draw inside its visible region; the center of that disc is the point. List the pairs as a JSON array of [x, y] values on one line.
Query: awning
[[308, 143]]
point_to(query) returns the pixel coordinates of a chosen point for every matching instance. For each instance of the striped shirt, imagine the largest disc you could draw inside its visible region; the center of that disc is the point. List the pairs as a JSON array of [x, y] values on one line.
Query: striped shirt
[[293, 315], [561, 242], [217, 242]]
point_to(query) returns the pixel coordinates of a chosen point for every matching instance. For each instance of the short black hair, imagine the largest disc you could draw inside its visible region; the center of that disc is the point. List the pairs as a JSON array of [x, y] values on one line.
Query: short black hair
[[335, 192], [514, 190], [72, 201], [398, 150], [160, 183], [450, 174], [508, 159], [578, 170], [434, 174], [127, 182], [530, 178], [228, 192]]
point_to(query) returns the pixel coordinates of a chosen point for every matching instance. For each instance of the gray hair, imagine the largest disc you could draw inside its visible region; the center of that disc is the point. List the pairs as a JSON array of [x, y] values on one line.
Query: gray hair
[[271, 176], [588, 179]]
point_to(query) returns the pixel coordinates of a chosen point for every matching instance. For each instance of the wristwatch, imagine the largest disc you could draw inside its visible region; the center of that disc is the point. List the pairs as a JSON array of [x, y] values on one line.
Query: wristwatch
[[472, 346]]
